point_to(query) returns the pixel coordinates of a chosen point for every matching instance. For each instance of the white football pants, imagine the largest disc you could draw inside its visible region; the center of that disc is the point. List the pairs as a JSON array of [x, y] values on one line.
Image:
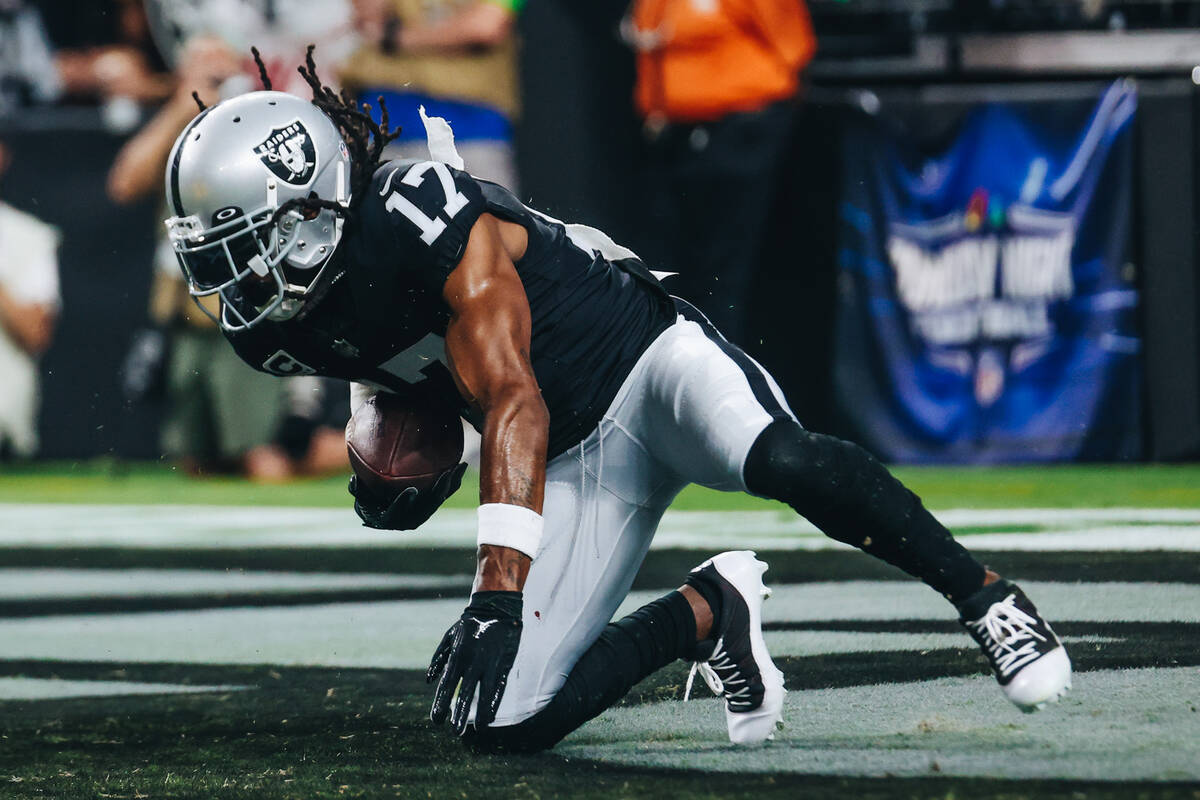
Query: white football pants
[[688, 413]]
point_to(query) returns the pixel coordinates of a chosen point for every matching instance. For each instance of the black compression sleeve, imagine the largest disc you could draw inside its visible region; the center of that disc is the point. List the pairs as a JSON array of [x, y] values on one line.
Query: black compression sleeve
[[851, 497]]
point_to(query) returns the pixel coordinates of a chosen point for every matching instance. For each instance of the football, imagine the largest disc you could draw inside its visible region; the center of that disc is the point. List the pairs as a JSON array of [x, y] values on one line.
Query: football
[[396, 442]]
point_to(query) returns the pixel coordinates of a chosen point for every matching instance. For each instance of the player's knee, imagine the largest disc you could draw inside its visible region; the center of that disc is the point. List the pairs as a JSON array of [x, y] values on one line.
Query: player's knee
[[625, 652], [800, 468], [777, 461], [565, 712]]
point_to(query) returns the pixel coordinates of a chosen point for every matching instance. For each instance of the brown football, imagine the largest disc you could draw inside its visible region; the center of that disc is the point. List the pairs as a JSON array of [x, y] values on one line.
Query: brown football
[[396, 442]]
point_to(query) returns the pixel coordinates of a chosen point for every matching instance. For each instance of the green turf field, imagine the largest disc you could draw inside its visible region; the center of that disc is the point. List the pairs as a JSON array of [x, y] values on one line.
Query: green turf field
[[249, 651], [1091, 486]]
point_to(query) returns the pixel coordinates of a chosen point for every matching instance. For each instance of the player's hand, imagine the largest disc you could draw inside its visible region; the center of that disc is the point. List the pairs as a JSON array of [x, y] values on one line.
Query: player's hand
[[478, 650], [409, 509]]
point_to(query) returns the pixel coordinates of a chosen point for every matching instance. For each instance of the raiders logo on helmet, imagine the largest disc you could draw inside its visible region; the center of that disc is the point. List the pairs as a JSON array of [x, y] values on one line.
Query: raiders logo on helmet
[[289, 153]]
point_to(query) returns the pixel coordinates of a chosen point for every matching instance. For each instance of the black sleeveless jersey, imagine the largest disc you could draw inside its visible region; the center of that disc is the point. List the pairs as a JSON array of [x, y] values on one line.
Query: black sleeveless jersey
[[595, 307]]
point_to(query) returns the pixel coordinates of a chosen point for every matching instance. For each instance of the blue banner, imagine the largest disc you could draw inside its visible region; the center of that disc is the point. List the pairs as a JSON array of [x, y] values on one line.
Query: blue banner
[[986, 306]]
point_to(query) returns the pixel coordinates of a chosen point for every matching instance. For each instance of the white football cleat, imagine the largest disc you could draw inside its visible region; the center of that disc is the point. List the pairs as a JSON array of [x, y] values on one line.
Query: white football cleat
[[1026, 656], [737, 666]]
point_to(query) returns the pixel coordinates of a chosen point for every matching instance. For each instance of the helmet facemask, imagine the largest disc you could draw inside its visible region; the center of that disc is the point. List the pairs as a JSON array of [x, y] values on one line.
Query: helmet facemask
[[263, 264]]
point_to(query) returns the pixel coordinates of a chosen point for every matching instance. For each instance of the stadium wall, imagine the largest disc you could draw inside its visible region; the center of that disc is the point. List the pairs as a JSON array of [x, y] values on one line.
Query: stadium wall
[[581, 158], [793, 302]]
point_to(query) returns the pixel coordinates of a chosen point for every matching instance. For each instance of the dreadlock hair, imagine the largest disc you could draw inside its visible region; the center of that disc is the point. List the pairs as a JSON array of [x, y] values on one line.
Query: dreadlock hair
[[262, 76], [364, 138], [262, 68]]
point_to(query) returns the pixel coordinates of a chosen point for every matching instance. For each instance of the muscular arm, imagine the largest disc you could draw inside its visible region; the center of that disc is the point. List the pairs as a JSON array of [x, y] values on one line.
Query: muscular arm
[[487, 346]]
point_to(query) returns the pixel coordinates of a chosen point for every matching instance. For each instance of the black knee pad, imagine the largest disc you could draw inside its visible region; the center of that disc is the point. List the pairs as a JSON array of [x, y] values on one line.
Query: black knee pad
[[812, 472]]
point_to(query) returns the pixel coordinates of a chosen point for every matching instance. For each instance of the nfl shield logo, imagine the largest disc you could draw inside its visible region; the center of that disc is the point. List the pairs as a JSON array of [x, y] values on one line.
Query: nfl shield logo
[[289, 153]]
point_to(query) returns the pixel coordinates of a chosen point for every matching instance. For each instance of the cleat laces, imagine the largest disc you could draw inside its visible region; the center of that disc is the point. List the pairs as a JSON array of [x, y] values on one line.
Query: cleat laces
[[722, 675], [1010, 635]]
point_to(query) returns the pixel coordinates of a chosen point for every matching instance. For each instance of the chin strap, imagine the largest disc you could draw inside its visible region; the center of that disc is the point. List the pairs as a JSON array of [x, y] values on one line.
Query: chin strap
[[343, 199]]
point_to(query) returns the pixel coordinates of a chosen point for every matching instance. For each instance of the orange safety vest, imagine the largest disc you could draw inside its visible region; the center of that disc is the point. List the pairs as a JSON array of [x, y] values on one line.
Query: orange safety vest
[[701, 59]]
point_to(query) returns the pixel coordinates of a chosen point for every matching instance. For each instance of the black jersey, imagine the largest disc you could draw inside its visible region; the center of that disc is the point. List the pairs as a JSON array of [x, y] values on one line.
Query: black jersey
[[594, 306]]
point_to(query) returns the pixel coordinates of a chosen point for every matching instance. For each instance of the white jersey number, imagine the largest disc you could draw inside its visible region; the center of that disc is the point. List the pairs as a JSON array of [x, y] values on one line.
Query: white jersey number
[[431, 227], [410, 364]]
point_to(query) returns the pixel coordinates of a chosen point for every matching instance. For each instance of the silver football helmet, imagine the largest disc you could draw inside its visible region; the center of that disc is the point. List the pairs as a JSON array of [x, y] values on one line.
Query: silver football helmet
[[228, 174]]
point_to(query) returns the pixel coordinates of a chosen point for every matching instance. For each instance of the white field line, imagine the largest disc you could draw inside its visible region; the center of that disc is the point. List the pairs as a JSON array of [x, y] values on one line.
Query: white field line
[[886, 600], [55, 583], [402, 634], [817, 643], [220, 527], [55, 689]]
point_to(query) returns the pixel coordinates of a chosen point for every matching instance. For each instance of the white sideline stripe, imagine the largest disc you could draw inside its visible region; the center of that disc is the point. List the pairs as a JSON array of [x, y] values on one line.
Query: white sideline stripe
[[1132, 538], [1115, 725], [882, 600], [1065, 516], [394, 634], [815, 643], [223, 527], [55, 689], [403, 634], [40, 584]]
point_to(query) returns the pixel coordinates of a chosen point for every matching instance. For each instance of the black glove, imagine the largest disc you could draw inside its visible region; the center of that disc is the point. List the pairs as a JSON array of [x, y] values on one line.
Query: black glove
[[479, 650], [407, 510], [143, 372]]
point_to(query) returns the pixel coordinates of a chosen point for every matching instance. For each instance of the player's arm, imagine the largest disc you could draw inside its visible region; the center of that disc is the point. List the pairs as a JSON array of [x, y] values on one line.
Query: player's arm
[[487, 347]]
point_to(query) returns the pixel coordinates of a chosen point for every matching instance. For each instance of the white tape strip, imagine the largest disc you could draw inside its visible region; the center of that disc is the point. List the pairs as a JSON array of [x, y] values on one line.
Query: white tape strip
[[440, 138]]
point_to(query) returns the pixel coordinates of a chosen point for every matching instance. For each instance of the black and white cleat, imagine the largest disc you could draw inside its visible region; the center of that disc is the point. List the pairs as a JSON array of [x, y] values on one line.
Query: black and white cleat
[[734, 661], [1026, 656]]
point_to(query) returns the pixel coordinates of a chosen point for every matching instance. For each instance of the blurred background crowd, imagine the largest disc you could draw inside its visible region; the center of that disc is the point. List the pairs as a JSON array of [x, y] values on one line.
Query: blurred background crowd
[[716, 137]]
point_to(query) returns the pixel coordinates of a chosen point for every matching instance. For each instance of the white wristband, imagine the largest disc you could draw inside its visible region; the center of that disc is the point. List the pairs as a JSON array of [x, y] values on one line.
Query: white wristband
[[505, 525]]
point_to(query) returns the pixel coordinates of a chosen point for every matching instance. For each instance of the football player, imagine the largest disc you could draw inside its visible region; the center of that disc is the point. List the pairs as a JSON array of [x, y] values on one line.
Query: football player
[[598, 395]]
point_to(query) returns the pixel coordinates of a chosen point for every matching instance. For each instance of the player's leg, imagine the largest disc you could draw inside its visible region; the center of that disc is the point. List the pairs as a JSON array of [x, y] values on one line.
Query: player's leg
[[604, 499], [851, 497], [741, 435], [641, 450], [681, 624]]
